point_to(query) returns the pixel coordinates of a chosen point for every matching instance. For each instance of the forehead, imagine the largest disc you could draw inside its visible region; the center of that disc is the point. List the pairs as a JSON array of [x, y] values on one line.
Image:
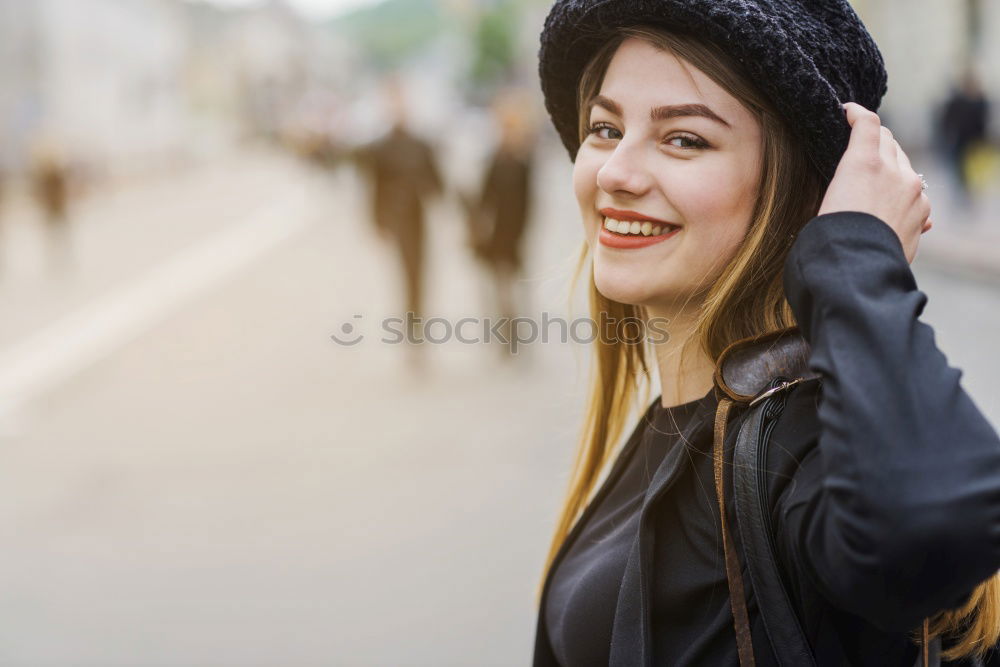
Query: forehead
[[642, 75]]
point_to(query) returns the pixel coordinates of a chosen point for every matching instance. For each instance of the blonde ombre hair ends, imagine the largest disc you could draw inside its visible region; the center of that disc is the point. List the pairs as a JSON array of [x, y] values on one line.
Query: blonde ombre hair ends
[[746, 299]]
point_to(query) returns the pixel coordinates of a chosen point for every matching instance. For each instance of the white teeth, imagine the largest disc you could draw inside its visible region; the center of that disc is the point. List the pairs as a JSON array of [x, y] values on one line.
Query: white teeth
[[645, 228]]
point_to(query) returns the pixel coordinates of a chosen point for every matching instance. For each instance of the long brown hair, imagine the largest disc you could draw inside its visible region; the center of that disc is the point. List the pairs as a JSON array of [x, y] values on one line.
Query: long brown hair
[[747, 299]]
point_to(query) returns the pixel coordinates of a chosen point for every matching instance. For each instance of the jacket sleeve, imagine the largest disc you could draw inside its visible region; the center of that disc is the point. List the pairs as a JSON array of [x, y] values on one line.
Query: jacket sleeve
[[904, 515]]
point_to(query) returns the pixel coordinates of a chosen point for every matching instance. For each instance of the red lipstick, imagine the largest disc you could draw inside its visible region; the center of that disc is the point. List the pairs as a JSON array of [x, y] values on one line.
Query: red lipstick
[[628, 241], [631, 216]]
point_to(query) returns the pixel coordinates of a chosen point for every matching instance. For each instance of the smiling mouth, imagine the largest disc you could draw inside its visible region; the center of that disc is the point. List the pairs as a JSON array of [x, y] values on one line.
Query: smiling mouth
[[636, 228]]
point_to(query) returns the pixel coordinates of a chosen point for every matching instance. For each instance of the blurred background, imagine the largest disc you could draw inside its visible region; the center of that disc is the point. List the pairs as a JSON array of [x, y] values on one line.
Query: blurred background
[[208, 454]]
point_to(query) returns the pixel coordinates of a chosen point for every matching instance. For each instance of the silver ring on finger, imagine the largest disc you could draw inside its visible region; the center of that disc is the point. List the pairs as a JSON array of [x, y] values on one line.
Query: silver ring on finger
[[923, 182]]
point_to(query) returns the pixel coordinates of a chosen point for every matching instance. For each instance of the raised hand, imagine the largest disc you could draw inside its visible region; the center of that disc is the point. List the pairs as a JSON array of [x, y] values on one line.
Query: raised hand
[[875, 176]]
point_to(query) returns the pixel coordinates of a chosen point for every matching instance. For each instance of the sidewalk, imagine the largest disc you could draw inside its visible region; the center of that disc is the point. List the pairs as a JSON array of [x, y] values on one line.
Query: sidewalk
[[136, 254], [117, 234], [962, 242], [229, 485]]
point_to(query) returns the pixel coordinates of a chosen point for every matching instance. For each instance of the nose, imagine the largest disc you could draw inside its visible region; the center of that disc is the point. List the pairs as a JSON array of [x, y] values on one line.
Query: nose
[[624, 172]]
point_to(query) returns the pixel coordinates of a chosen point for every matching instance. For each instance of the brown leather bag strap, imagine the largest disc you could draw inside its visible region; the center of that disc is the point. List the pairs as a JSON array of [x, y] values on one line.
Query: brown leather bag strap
[[737, 598], [923, 642], [744, 375]]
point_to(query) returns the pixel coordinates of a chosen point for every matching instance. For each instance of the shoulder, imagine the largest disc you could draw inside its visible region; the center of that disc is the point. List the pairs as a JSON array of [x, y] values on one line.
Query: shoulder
[[793, 456], [798, 423]]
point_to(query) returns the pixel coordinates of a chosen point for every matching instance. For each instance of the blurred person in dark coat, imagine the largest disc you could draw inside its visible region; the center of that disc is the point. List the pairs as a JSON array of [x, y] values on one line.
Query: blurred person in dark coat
[[50, 185], [404, 176], [498, 217], [963, 125]]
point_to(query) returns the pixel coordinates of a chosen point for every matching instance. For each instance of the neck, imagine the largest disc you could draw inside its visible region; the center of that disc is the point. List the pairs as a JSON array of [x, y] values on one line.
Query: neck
[[683, 377]]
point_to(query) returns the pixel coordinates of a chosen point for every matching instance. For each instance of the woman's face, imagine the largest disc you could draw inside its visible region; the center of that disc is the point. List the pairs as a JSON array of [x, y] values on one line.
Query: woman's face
[[667, 145]]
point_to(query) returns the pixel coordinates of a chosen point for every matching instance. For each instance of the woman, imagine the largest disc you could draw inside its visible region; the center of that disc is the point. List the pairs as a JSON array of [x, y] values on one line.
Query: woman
[[733, 180]]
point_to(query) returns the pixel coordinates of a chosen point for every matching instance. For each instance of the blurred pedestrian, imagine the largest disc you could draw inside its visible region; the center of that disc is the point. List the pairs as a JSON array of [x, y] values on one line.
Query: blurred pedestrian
[[963, 125], [50, 186], [498, 217], [404, 177]]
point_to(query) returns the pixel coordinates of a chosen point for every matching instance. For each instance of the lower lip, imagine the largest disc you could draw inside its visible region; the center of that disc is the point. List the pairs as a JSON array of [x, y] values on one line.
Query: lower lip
[[613, 240]]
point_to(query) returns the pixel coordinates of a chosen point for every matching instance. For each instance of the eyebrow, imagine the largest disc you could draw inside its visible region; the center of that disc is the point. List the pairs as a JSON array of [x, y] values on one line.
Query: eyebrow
[[660, 113]]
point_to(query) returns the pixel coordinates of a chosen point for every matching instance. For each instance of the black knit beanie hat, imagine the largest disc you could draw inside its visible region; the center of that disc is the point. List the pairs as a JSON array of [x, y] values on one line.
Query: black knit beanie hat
[[806, 56]]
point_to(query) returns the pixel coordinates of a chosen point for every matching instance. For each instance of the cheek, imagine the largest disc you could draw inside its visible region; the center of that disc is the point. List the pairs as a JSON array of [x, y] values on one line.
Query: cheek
[[719, 202], [585, 184]]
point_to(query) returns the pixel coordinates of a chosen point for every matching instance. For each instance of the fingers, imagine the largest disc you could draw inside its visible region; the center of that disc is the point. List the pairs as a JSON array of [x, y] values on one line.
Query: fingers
[[903, 161], [903, 158], [924, 204], [887, 146], [866, 130], [875, 175]]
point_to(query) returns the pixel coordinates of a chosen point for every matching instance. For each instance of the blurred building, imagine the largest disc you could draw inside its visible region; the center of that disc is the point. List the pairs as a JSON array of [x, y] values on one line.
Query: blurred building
[[98, 77], [267, 49], [18, 79], [132, 85]]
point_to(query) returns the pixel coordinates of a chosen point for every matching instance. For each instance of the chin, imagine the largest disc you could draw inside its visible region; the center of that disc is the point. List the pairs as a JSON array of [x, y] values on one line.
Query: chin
[[624, 291], [629, 290]]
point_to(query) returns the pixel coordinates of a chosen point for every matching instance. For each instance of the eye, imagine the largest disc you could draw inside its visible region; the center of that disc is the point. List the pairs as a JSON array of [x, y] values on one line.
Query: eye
[[688, 141], [597, 127]]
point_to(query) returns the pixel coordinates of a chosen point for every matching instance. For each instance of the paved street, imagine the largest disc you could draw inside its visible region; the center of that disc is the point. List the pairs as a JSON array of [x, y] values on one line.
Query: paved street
[[195, 474]]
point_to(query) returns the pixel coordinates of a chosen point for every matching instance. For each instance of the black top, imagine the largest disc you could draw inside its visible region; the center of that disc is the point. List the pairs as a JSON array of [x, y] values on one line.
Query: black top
[[585, 585]]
